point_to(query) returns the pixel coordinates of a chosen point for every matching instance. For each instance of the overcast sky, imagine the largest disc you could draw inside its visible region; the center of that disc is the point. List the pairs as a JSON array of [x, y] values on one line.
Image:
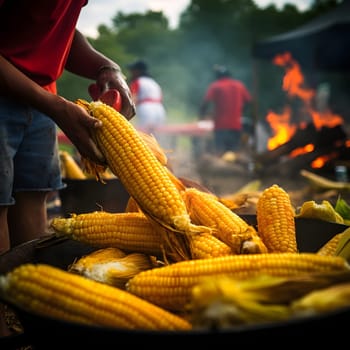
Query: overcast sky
[[98, 12]]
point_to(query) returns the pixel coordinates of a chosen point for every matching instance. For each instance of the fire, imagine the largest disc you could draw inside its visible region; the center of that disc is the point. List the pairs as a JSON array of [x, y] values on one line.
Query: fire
[[293, 81], [319, 162], [301, 150], [282, 127]]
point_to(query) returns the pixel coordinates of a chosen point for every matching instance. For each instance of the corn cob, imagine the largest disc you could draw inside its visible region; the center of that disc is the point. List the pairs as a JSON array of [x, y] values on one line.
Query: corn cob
[[111, 266], [323, 300], [170, 286], [52, 292], [206, 245], [343, 247], [222, 303], [131, 232], [330, 246], [275, 220], [143, 176], [206, 209], [152, 143], [255, 245], [70, 168]]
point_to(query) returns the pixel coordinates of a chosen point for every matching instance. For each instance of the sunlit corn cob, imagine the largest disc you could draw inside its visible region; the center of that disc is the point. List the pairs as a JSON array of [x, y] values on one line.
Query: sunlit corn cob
[[141, 173], [131, 232], [170, 286], [330, 246], [70, 168], [206, 245], [206, 209], [111, 266], [52, 292], [275, 220]]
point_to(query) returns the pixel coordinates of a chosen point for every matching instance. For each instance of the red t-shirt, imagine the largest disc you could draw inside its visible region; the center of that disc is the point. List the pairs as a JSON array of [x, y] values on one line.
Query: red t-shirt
[[228, 96], [36, 36]]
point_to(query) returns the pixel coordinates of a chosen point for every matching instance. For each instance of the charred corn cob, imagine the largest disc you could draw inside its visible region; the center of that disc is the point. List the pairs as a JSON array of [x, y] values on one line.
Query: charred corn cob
[[52, 292], [206, 209], [143, 176], [170, 286], [275, 220], [131, 232], [111, 266]]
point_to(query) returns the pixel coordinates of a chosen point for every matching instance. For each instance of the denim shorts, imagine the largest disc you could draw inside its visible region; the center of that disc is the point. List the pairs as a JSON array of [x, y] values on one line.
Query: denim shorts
[[29, 159]]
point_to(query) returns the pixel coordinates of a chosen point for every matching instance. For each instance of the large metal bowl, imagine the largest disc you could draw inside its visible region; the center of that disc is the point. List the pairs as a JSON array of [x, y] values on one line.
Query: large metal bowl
[[87, 195], [47, 333]]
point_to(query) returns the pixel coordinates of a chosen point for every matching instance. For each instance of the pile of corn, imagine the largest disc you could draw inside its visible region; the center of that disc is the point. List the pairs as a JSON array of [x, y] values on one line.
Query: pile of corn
[[177, 253]]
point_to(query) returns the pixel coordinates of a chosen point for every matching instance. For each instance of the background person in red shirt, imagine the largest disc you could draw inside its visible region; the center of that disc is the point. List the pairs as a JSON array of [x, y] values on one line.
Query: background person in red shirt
[[225, 100]]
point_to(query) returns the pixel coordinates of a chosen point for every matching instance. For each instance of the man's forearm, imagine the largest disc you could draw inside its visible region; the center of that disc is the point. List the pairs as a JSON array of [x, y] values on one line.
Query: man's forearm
[[84, 60]]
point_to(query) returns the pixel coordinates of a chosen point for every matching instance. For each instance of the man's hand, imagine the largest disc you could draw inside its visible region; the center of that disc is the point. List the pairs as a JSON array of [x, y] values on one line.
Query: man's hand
[[79, 127], [110, 77]]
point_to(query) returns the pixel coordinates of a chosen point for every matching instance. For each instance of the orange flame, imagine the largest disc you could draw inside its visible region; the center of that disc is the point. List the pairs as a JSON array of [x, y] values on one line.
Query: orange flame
[[293, 80], [319, 162], [283, 129]]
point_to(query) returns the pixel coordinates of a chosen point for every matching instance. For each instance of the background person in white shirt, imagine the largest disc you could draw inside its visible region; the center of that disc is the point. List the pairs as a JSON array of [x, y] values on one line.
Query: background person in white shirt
[[148, 97]]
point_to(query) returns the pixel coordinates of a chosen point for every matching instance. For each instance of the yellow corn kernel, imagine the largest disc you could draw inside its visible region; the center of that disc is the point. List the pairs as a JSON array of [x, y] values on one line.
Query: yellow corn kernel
[[141, 173], [205, 245], [127, 231], [52, 292], [206, 209], [170, 286], [275, 220]]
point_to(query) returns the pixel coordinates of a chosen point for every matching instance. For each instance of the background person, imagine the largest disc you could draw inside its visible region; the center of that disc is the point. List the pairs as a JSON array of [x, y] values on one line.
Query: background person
[[148, 97], [38, 41], [225, 100]]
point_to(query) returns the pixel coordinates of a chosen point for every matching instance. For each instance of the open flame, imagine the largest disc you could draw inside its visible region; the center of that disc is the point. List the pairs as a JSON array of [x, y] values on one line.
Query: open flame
[[281, 125]]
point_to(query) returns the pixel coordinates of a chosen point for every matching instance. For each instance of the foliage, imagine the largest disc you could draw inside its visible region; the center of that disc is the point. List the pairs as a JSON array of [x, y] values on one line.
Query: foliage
[[209, 32]]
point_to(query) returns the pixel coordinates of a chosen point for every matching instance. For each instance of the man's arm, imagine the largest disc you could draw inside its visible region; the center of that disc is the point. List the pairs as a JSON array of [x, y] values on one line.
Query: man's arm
[[74, 121], [84, 60]]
